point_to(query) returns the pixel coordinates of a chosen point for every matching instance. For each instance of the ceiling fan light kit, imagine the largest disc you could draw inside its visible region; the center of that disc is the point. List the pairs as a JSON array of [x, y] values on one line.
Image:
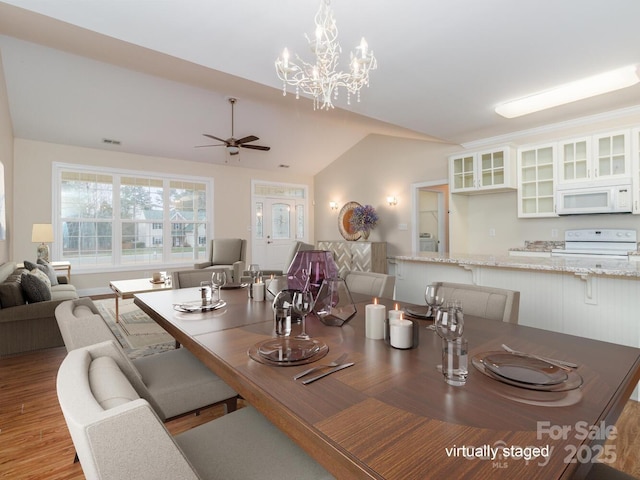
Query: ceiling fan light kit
[[321, 80], [232, 144], [570, 92]]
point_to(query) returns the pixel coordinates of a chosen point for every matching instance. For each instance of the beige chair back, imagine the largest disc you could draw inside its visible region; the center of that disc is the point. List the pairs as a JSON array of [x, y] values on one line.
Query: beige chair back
[[81, 324], [370, 283], [487, 302]]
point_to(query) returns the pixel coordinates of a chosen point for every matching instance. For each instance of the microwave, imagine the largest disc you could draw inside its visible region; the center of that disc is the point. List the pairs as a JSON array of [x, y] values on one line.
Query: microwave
[[605, 198]]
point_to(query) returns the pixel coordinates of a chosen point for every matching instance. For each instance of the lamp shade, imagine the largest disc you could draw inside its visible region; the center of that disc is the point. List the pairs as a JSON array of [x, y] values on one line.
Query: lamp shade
[[42, 233]]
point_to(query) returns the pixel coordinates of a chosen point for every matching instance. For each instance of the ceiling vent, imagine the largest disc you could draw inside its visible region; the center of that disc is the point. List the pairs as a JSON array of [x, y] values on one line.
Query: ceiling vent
[[110, 141]]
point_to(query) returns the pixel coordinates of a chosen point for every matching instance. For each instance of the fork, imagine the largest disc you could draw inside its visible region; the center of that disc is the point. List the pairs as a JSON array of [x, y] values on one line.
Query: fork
[[558, 363], [335, 363]]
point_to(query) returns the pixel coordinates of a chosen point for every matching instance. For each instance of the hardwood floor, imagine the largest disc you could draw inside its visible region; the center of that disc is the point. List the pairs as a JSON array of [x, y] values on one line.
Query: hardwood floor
[[35, 443]]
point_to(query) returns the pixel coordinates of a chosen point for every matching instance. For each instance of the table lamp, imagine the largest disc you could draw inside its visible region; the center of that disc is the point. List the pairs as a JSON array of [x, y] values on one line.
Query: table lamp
[[42, 233]]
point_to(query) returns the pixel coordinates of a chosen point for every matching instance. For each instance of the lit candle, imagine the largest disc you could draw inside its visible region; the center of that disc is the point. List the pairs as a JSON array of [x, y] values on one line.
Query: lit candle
[[374, 320], [395, 314], [285, 58], [401, 333], [258, 291]]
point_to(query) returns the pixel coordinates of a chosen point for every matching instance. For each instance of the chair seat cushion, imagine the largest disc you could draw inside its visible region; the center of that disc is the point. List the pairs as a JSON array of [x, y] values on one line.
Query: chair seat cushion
[[229, 438], [179, 382]]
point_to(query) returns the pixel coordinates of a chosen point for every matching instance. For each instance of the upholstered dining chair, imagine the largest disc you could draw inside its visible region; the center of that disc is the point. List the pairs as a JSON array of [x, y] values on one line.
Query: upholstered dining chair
[[296, 247], [230, 253], [118, 435], [174, 382], [190, 278], [487, 302], [370, 283]]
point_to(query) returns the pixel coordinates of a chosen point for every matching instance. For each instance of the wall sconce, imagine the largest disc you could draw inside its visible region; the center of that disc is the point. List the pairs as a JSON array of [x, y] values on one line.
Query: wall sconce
[[333, 205], [392, 201]]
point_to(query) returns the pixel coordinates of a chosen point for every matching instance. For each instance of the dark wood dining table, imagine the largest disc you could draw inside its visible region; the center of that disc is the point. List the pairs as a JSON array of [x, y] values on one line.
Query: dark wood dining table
[[392, 416]]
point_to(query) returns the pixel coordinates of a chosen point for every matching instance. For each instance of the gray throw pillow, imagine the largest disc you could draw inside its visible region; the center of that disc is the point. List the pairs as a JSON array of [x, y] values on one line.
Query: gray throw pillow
[[34, 289], [48, 269]]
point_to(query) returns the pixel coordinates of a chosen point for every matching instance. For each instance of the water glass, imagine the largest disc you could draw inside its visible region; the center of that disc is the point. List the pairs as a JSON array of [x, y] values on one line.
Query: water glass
[[282, 320], [205, 293], [455, 361]]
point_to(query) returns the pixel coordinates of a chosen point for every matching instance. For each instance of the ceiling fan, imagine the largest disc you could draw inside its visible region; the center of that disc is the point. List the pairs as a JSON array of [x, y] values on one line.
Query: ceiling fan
[[232, 144]]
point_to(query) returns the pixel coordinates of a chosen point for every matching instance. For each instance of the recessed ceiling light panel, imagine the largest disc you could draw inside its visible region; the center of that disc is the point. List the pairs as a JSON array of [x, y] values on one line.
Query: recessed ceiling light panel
[[570, 92]]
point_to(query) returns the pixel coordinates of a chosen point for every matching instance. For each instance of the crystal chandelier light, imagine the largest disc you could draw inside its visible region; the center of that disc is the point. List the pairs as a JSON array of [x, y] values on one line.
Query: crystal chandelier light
[[321, 80]]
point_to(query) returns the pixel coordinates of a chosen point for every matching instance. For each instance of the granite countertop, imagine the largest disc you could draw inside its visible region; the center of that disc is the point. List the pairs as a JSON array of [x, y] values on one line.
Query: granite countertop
[[579, 266]]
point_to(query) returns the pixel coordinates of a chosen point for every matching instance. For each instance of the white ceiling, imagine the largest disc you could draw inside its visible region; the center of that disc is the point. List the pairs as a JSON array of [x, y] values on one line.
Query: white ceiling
[[155, 74]]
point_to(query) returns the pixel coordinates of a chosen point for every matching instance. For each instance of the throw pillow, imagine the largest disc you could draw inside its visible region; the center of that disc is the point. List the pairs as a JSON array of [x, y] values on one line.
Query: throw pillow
[[48, 269], [42, 276], [29, 265], [35, 288]]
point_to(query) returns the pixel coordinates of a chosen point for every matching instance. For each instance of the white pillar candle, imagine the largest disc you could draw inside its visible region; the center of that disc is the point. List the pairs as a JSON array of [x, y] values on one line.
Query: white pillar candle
[[374, 320], [395, 314], [258, 291], [401, 333]]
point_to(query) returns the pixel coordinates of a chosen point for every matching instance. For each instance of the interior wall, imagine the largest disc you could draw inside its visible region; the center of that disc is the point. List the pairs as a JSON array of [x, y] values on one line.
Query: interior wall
[[6, 158], [32, 202], [377, 167]]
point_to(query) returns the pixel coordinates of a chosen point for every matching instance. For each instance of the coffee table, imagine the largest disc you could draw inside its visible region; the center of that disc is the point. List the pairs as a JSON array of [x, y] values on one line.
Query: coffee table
[[128, 288]]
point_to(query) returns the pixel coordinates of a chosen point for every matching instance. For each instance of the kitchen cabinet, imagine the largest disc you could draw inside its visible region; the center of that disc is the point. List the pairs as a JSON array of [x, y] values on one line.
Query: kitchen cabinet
[[589, 159], [635, 169], [482, 172], [536, 180]]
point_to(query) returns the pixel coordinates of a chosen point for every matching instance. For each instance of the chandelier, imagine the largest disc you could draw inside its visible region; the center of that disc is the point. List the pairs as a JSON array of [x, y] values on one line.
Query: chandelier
[[321, 80]]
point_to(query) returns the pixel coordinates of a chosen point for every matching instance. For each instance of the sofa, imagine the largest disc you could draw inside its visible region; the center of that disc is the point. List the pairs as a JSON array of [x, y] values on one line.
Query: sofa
[[27, 325]]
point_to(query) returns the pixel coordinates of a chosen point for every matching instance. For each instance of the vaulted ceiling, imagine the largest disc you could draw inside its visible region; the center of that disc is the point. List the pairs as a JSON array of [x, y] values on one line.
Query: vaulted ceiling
[[156, 74]]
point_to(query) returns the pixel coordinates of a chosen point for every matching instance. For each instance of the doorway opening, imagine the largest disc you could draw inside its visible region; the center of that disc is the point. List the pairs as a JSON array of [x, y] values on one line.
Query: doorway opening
[[430, 232]]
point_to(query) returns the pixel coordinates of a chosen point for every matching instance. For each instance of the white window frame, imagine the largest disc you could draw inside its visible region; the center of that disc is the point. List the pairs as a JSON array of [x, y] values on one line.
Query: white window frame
[[115, 265]]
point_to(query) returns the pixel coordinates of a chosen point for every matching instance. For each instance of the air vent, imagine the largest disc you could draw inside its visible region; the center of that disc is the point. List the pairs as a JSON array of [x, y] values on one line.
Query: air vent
[[282, 165], [110, 141]]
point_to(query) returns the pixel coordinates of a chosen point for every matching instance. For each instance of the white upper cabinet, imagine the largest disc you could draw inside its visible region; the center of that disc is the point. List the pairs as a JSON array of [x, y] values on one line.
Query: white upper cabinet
[[599, 157], [536, 181], [482, 172]]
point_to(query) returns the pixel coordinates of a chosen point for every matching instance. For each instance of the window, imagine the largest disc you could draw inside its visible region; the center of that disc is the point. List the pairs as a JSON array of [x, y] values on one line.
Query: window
[[109, 218]]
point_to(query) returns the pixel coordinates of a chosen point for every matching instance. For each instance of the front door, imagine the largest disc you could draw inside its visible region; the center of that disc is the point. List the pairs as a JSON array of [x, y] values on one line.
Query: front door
[[274, 231]]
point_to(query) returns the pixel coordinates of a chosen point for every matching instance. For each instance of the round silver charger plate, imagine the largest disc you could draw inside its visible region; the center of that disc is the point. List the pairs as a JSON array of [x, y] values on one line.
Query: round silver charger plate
[[196, 306], [288, 351]]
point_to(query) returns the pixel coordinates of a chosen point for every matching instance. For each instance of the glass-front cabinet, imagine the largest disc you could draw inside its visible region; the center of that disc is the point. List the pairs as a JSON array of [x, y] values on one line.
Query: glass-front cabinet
[[478, 172], [536, 166], [589, 159]]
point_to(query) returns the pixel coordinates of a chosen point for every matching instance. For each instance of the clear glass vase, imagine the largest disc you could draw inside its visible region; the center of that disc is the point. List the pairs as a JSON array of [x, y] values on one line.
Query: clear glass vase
[[334, 304]]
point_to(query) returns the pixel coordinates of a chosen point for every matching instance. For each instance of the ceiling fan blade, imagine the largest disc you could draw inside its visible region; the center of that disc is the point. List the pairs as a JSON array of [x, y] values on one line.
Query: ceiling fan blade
[[256, 147], [250, 138], [216, 145], [215, 138]]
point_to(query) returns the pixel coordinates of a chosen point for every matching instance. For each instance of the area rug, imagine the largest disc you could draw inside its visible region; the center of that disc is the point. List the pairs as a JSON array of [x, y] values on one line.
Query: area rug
[[138, 334]]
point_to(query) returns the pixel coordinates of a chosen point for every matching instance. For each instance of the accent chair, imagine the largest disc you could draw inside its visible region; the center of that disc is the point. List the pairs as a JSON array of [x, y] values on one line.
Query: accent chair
[[229, 253]]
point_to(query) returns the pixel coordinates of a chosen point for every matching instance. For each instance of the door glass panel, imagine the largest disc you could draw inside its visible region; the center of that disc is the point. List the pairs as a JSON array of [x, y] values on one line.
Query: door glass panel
[[299, 222], [258, 220], [280, 221]]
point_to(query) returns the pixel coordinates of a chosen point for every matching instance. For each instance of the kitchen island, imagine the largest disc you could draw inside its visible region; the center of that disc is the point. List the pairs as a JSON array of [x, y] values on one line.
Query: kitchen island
[[597, 299]]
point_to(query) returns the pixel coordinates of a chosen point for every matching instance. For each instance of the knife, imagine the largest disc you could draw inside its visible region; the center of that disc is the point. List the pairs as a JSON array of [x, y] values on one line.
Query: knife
[[335, 369]]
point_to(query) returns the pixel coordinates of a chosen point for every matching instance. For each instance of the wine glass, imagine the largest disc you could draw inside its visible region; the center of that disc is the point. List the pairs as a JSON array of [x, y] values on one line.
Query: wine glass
[[433, 299], [449, 321], [254, 271], [303, 305], [218, 280]]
